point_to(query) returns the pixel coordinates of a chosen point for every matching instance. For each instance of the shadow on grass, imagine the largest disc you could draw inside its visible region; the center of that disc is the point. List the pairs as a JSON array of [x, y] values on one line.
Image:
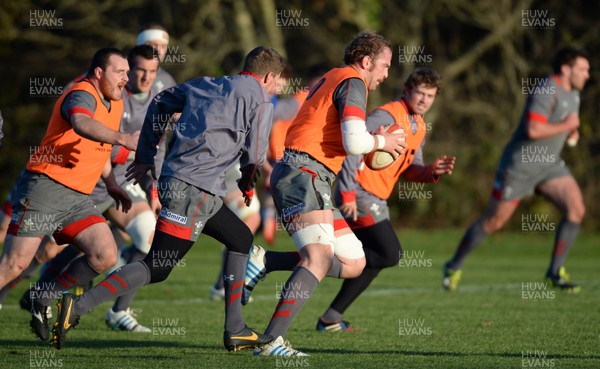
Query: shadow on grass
[[452, 354], [104, 343], [148, 345]]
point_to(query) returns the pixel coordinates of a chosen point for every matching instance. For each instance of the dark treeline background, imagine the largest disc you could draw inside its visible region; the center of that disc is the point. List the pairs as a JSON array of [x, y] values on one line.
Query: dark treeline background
[[485, 50]]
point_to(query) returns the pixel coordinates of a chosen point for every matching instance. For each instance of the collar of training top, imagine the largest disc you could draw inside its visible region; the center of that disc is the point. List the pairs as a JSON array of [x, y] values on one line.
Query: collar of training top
[[252, 75]]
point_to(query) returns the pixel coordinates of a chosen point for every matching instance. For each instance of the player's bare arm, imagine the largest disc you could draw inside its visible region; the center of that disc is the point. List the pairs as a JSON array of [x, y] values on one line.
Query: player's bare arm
[[114, 190], [538, 130], [96, 131], [266, 174]]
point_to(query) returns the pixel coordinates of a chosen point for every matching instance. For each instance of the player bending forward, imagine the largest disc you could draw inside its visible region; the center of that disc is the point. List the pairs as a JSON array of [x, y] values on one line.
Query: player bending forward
[[223, 121]]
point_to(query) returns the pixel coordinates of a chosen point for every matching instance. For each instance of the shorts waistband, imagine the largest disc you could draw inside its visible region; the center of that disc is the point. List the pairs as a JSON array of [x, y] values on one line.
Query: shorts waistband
[[289, 155]]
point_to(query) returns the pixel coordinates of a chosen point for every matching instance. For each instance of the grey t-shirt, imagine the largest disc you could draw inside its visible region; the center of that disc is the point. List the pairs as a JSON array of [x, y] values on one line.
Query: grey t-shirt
[[80, 102], [548, 102], [163, 80]]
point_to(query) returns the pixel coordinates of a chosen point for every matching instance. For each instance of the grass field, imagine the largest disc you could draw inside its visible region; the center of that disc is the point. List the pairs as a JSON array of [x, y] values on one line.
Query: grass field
[[501, 318]]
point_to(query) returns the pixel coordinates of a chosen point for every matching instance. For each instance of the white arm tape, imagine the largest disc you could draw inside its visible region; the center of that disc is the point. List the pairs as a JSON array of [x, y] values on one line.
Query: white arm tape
[[356, 139], [380, 141]]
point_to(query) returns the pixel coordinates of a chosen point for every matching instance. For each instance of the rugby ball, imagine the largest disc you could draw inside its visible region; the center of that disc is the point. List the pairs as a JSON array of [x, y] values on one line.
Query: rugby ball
[[378, 159]]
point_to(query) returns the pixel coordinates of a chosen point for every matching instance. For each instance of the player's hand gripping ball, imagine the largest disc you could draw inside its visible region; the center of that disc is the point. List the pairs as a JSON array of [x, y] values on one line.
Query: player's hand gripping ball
[[378, 159]]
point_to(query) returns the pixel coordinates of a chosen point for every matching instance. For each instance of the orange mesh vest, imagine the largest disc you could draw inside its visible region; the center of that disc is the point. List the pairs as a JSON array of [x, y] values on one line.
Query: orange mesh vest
[[68, 158], [317, 129], [381, 182], [279, 131]]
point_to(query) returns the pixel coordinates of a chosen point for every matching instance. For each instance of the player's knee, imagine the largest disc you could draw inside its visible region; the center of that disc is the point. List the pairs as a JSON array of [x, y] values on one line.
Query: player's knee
[[391, 257], [350, 249], [107, 260], [318, 259], [101, 259], [15, 268], [253, 222], [354, 268], [158, 275], [390, 251], [493, 224], [576, 213], [46, 253], [159, 269], [383, 258], [242, 242], [382, 246], [103, 262]]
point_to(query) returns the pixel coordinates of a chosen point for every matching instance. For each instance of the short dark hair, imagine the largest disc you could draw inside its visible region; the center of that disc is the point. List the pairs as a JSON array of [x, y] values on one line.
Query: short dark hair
[[101, 57], [263, 60], [567, 56], [366, 43], [424, 76], [287, 70], [145, 51]]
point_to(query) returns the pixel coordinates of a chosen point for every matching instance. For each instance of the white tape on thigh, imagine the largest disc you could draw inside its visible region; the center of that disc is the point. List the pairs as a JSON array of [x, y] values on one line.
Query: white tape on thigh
[[315, 233], [348, 246], [241, 210], [140, 230], [135, 190]]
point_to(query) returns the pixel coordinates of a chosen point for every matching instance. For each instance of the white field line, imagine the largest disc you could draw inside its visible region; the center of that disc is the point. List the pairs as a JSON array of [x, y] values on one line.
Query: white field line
[[588, 288], [389, 292]]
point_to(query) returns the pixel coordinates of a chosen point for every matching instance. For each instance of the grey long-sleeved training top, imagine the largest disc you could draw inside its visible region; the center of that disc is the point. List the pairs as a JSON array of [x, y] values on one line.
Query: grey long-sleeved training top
[[223, 120]]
